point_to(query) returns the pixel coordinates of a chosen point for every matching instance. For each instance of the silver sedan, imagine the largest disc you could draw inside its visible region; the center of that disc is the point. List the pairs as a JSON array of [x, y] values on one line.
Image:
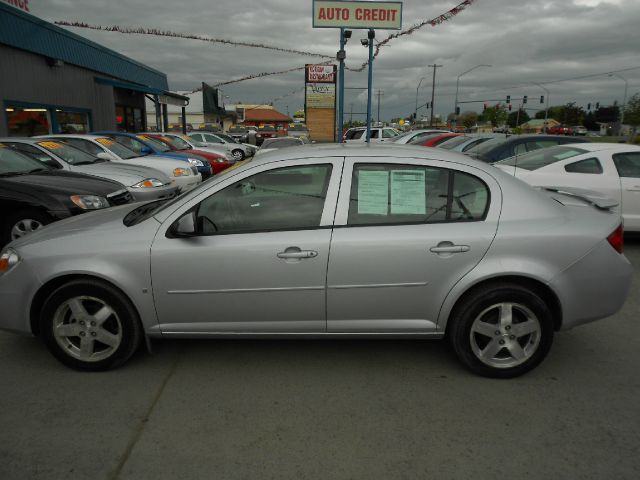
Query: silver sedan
[[325, 241]]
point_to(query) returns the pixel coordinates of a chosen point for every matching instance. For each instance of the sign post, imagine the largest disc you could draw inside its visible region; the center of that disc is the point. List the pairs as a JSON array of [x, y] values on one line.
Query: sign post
[[367, 15]]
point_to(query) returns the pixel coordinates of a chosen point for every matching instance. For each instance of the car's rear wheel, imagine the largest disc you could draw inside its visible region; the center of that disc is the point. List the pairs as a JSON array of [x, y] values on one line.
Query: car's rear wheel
[[501, 330], [23, 222], [237, 154], [89, 325]]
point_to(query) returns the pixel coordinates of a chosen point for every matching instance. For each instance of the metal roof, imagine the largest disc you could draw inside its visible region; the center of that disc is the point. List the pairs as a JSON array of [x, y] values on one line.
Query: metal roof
[[26, 32]]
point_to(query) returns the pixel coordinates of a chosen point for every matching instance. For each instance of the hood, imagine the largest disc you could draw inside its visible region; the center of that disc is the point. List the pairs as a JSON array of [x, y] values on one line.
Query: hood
[[60, 182], [124, 173], [164, 164], [96, 222]]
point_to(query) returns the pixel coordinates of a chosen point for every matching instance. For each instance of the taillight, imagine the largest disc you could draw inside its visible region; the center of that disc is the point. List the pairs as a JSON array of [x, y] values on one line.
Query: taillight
[[616, 239]]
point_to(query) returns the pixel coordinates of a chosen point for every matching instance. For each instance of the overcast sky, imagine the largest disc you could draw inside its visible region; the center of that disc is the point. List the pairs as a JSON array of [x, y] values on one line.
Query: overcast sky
[[525, 41]]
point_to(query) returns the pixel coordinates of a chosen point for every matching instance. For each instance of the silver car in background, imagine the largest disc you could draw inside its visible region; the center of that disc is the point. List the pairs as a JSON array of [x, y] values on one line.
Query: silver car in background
[[143, 183], [424, 244], [181, 173]]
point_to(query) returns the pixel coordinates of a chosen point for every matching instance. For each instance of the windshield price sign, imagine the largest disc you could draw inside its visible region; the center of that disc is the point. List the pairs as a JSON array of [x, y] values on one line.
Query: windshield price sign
[[346, 14]]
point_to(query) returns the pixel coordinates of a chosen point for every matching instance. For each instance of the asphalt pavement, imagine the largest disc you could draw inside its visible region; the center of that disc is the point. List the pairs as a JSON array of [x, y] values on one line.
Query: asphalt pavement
[[327, 410]]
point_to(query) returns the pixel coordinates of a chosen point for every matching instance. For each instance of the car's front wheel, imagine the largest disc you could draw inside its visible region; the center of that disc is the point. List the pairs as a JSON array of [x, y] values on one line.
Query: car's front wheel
[[502, 330], [22, 223], [89, 325]]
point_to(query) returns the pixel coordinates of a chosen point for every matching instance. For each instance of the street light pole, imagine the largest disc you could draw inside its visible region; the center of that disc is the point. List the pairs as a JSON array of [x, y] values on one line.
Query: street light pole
[[415, 116], [455, 108], [624, 100], [433, 92]]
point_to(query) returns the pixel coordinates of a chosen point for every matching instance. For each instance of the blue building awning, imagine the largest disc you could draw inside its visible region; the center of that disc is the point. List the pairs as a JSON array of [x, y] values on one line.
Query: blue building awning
[[128, 86]]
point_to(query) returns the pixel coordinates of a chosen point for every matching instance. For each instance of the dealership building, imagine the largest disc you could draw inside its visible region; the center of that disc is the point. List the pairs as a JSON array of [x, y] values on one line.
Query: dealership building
[[54, 81]]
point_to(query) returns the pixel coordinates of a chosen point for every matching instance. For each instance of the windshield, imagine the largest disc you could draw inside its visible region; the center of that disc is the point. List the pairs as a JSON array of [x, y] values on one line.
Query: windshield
[[485, 147], [71, 155], [114, 146], [14, 163], [153, 143], [454, 142], [541, 158], [421, 138], [226, 138], [178, 142]]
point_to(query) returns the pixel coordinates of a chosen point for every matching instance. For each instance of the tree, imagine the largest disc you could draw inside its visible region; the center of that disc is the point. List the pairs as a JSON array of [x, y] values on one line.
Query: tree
[[468, 119], [497, 115], [516, 118], [632, 112]]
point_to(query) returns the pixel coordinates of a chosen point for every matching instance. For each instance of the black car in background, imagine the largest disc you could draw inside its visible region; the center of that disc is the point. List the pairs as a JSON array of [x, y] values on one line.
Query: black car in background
[[504, 147], [33, 195]]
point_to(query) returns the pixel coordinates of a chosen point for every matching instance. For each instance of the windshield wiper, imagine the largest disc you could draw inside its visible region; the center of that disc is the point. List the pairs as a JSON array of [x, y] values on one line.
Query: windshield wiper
[[85, 162], [11, 174]]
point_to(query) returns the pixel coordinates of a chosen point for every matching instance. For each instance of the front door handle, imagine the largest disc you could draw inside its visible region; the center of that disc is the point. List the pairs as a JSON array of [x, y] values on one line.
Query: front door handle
[[449, 247], [296, 253], [635, 188]]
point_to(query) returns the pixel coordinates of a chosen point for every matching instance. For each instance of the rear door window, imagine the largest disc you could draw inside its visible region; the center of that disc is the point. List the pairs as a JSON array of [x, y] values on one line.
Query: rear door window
[[409, 194]]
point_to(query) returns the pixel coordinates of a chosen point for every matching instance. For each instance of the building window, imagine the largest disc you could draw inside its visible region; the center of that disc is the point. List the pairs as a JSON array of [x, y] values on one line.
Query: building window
[[27, 122], [72, 122]]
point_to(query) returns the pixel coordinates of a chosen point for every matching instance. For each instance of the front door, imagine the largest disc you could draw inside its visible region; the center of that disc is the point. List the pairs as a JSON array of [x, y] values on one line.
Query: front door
[[405, 233], [258, 260]]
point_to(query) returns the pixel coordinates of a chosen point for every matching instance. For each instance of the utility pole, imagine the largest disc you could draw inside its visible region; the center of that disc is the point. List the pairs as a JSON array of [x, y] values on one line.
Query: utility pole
[[380, 93], [433, 91], [351, 114]]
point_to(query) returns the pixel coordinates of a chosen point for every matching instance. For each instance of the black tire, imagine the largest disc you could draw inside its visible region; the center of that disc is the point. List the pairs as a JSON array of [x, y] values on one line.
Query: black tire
[[479, 309], [238, 154], [20, 216], [121, 327]]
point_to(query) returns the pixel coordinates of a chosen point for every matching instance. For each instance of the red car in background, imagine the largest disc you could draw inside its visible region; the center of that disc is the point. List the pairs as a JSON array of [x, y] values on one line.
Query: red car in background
[[560, 130], [434, 140], [218, 162]]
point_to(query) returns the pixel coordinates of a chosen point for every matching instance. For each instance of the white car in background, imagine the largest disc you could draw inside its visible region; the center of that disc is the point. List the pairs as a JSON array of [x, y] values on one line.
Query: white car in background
[[378, 134], [610, 169], [181, 174], [215, 140]]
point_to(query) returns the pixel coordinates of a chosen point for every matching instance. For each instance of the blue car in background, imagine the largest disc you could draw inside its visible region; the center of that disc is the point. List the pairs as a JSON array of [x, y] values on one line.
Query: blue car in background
[[144, 145]]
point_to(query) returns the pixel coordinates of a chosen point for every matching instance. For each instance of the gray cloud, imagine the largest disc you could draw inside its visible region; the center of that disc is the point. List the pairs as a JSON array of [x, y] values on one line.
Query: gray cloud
[[525, 41]]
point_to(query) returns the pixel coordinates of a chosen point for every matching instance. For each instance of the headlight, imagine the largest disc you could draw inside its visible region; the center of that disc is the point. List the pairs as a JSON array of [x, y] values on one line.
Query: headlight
[[8, 260], [196, 163], [148, 183], [221, 160], [89, 202], [181, 172]]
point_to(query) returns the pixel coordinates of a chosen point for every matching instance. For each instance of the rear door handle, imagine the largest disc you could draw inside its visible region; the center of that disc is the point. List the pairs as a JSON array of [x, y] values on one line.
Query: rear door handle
[[635, 188], [296, 253], [448, 247]]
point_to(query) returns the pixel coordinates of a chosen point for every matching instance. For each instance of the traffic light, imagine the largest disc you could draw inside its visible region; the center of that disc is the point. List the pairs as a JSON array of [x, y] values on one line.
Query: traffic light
[[428, 106], [508, 98], [524, 99], [597, 105], [509, 107], [588, 106], [485, 107], [457, 110], [541, 98]]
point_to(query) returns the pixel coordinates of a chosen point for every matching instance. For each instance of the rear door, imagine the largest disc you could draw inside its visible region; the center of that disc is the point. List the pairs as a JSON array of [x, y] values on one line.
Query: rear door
[[406, 231]]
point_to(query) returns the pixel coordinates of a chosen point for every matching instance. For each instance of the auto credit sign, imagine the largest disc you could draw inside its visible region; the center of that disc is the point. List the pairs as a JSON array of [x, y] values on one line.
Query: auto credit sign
[[347, 14]]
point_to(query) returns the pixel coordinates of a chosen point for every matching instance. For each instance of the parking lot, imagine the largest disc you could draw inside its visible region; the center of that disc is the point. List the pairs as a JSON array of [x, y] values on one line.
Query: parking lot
[[326, 409]]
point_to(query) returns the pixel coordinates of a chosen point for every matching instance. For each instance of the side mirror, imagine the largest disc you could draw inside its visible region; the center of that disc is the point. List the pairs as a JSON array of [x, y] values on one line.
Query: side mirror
[[104, 156], [146, 151], [185, 226]]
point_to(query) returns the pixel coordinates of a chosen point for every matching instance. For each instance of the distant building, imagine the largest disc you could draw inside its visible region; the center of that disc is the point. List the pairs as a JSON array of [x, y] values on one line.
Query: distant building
[[538, 125]]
